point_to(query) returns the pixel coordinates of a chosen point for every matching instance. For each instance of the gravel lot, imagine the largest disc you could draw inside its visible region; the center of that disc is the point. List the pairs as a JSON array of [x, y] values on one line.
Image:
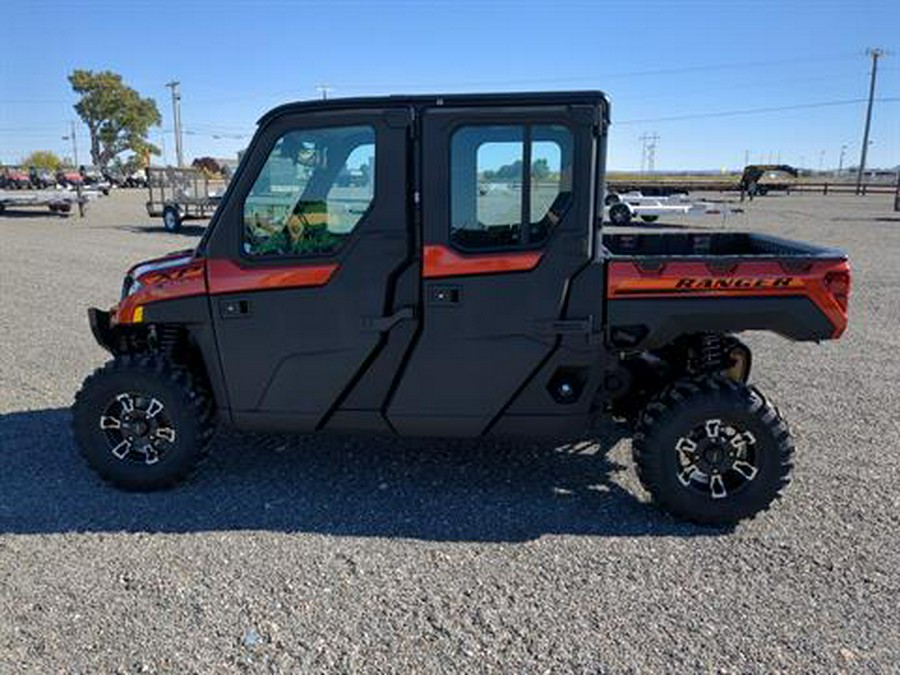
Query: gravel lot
[[324, 554]]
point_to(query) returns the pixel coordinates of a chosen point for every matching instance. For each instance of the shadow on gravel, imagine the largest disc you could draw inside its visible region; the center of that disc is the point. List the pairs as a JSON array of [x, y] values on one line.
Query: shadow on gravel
[[658, 225], [37, 212], [342, 486], [185, 230], [873, 219]]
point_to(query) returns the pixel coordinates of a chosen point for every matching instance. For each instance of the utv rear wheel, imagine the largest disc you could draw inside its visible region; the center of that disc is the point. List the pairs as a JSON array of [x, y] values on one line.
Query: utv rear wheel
[[141, 423], [712, 451]]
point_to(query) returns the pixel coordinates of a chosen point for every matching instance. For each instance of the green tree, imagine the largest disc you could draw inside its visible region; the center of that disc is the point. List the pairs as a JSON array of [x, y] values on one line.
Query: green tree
[[116, 116], [540, 169], [42, 159], [207, 164]]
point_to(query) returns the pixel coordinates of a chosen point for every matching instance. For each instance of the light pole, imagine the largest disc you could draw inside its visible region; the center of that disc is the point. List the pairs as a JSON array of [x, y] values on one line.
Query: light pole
[[176, 115], [875, 54], [74, 140]]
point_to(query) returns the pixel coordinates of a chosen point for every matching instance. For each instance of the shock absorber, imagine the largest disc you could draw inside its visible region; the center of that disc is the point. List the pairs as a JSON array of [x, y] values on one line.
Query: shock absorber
[[168, 340], [712, 353]]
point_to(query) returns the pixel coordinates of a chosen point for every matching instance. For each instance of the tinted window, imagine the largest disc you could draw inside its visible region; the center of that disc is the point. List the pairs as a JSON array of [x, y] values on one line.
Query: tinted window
[[489, 207], [313, 190]]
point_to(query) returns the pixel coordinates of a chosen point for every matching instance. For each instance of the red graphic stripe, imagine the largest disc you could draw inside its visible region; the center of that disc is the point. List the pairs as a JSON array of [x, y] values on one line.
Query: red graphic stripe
[[226, 276], [440, 261]]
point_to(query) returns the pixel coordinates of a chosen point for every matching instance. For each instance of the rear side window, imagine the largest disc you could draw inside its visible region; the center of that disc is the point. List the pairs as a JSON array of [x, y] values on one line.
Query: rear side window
[[312, 192], [495, 202]]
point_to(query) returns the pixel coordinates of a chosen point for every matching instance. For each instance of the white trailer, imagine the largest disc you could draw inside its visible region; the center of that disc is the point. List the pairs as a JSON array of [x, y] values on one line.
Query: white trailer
[[623, 208], [58, 201]]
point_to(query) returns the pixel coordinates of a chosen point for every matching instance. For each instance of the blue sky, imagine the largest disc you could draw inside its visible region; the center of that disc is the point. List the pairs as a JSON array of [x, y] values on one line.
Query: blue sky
[[657, 60]]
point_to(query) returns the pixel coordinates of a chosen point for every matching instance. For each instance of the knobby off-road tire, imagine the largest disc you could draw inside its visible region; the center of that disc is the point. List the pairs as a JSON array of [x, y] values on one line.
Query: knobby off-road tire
[[143, 423], [712, 451]]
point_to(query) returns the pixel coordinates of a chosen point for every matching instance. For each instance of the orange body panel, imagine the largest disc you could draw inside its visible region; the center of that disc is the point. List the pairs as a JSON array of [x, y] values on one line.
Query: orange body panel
[[167, 284], [825, 282], [228, 277], [440, 261]]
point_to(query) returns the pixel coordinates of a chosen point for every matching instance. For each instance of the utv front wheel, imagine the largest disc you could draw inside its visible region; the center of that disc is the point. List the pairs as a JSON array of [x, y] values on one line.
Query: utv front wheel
[[712, 451], [141, 423]]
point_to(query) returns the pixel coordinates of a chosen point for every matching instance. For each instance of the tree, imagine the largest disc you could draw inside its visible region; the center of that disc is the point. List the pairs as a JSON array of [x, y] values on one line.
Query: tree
[[540, 169], [207, 164], [42, 159], [116, 116]]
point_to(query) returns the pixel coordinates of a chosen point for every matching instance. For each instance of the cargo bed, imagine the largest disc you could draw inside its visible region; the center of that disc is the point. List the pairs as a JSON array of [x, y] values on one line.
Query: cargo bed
[[660, 286]]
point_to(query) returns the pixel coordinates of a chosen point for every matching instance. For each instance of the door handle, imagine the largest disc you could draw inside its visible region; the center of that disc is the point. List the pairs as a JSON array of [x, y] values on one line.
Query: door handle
[[234, 308], [384, 323]]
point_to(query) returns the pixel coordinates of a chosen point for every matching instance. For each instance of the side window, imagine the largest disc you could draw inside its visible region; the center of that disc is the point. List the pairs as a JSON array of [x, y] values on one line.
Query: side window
[[494, 203], [311, 193]]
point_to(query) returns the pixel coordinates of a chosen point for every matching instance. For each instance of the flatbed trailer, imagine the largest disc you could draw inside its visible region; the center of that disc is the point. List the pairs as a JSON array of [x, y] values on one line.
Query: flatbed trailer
[[58, 201], [622, 208], [178, 194]]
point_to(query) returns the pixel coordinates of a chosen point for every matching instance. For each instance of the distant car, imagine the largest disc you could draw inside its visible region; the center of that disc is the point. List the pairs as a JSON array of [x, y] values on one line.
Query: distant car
[[137, 179], [93, 178], [14, 178], [69, 178], [41, 179]]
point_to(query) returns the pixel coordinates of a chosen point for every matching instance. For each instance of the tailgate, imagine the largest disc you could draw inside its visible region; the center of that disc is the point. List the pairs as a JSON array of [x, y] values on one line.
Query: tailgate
[[793, 289]]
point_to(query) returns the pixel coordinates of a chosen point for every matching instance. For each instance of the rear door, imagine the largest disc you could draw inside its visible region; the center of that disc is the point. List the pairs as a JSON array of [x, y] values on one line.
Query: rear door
[[501, 242], [304, 260]]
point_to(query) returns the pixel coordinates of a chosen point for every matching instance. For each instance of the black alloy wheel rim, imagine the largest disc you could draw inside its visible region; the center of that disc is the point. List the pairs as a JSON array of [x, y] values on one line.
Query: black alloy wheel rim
[[137, 428], [717, 458]]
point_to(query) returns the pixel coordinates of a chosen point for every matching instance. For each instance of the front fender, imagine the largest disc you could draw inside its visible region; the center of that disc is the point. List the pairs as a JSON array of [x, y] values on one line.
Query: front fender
[[100, 327]]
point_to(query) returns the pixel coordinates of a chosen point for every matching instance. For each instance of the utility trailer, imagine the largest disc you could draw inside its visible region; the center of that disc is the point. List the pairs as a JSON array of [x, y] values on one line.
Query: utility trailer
[[623, 208], [179, 194], [58, 201]]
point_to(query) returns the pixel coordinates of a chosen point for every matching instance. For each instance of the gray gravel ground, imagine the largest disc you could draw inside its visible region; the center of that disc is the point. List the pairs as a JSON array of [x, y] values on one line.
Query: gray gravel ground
[[324, 554]]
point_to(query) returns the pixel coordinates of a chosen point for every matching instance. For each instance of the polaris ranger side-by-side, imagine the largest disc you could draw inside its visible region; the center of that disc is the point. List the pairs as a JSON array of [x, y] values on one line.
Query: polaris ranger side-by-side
[[459, 285]]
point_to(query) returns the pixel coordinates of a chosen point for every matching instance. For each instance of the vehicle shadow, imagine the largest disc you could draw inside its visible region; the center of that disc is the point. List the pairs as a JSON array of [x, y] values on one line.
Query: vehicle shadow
[[341, 486], [37, 212], [185, 230], [657, 225]]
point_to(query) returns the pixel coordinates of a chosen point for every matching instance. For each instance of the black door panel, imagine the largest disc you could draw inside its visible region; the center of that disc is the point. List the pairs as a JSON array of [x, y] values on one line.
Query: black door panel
[[292, 353], [481, 338]]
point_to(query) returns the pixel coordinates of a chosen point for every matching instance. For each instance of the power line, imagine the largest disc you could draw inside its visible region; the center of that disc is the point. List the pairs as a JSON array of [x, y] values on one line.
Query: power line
[[755, 111], [602, 76], [592, 80]]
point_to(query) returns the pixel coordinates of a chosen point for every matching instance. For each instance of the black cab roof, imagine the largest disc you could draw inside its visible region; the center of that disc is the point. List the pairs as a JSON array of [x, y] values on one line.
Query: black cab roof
[[590, 97]]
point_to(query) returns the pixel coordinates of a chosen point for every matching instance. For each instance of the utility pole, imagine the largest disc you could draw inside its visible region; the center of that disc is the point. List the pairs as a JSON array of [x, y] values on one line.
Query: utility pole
[[875, 54], [746, 157], [176, 115], [74, 140], [841, 159], [324, 90]]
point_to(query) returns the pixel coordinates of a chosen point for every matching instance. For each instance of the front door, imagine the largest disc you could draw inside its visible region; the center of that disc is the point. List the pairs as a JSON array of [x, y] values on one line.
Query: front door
[[305, 256], [506, 210]]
